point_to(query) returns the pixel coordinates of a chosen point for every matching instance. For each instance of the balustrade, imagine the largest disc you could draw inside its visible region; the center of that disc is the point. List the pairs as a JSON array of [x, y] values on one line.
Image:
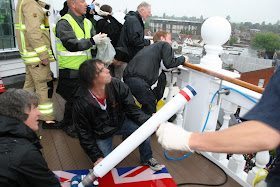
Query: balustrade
[[209, 100]]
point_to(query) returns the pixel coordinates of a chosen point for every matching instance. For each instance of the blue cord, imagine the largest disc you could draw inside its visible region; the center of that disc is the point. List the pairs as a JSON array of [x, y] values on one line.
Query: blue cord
[[225, 88]]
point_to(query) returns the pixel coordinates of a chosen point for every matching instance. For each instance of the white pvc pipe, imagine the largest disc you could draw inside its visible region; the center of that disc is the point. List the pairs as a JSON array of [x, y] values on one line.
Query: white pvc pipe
[[143, 132]]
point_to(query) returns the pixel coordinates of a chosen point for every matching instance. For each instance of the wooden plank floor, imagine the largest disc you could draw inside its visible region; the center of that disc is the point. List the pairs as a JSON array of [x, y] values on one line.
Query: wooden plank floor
[[65, 153]]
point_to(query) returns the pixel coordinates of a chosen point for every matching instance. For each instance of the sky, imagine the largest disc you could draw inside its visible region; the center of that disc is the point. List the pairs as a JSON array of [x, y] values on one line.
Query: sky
[[255, 11]]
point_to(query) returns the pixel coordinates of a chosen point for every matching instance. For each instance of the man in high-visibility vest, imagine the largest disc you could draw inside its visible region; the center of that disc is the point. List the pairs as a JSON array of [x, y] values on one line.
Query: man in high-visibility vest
[[75, 37], [33, 40]]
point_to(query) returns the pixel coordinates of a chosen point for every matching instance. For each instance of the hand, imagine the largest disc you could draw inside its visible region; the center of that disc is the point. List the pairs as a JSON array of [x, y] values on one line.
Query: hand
[[45, 62], [98, 38], [186, 58], [117, 63], [103, 13], [173, 137], [92, 7], [98, 160]]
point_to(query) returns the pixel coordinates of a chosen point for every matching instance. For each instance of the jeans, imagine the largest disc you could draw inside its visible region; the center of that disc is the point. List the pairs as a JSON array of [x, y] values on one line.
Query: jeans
[[141, 90], [128, 127]]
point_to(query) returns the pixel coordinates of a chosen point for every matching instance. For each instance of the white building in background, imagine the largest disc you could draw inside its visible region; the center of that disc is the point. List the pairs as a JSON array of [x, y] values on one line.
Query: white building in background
[[188, 41], [175, 26], [175, 45]]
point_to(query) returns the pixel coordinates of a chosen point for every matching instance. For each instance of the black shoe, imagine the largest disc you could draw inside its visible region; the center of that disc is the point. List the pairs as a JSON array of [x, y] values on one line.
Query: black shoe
[[70, 131], [154, 164], [56, 125]]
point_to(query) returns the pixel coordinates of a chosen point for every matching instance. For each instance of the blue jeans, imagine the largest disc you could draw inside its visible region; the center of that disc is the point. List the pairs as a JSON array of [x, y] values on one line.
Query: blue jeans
[[141, 90], [128, 127]]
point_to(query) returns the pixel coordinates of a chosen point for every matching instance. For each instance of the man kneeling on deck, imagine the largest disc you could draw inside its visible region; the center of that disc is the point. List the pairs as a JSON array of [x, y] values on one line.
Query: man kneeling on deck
[[104, 107], [21, 162]]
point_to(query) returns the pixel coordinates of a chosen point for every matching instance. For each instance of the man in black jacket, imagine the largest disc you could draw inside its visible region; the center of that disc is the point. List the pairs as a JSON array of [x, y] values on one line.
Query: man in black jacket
[[21, 162], [144, 73], [132, 34], [104, 107]]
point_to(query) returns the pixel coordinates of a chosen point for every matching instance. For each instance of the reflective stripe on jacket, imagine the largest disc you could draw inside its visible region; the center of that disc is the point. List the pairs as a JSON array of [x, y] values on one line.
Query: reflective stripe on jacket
[[73, 60], [32, 36]]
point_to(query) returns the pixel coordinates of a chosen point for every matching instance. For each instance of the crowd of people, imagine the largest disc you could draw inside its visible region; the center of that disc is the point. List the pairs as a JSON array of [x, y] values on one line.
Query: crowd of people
[[100, 99], [99, 105]]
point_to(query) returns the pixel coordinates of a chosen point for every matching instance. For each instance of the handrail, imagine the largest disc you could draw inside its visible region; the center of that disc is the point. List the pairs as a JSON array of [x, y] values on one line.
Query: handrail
[[226, 78]]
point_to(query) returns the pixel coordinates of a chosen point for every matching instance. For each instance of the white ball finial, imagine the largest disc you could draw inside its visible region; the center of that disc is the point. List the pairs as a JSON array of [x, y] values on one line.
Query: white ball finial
[[215, 31]]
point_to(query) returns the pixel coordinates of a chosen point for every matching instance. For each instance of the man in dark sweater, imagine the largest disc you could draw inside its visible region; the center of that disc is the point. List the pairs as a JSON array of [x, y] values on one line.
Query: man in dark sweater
[[144, 74]]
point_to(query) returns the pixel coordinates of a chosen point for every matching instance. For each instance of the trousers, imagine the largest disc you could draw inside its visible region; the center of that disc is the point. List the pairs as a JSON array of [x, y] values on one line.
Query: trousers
[[38, 78], [128, 127]]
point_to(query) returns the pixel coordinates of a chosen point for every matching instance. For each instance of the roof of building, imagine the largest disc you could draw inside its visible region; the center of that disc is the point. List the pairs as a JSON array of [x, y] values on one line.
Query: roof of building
[[173, 20], [245, 64]]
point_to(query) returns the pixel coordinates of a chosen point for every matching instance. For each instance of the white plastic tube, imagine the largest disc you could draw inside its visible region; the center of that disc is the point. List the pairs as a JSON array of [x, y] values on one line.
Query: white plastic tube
[[143, 132]]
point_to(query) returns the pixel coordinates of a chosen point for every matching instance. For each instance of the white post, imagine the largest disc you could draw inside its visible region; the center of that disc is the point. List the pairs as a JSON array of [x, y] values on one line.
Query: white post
[[236, 163], [173, 79], [215, 31], [262, 158], [179, 117], [228, 108]]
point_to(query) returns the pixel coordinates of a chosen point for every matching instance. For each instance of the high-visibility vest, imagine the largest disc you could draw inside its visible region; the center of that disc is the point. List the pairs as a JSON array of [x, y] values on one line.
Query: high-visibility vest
[[73, 60], [29, 54]]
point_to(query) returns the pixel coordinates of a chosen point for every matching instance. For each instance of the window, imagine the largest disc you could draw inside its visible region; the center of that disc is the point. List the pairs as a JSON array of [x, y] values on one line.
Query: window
[[7, 34], [261, 83]]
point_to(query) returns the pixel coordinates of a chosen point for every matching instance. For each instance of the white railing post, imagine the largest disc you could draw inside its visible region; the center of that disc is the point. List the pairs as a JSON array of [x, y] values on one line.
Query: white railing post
[[228, 108], [262, 159], [215, 31], [179, 118], [236, 163], [173, 79]]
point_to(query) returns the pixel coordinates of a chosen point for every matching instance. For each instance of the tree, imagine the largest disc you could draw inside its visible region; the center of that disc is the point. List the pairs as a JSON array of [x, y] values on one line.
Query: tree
[[147, 23], [269, 41], [185, 32], [232, 40], [228, 18]]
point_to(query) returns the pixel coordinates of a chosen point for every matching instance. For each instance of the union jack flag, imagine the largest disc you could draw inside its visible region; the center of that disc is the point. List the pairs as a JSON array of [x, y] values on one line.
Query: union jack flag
[[65, 176], [124, 177], [137, 177]]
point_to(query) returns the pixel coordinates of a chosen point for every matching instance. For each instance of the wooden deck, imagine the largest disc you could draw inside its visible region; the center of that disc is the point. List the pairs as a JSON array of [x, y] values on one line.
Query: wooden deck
[[65, 153]]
